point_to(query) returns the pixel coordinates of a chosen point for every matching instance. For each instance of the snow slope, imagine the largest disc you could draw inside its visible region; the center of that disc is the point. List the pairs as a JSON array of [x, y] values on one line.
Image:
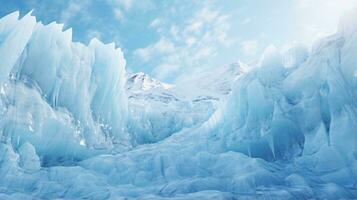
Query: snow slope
[[282, 133]]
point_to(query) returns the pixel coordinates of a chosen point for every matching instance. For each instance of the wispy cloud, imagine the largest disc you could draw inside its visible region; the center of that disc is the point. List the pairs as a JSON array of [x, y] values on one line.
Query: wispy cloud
[[126, 4], [94, 34], [73, 9], [121, 7], [156, 23], [184, 44], [161, 47], [249, 47]]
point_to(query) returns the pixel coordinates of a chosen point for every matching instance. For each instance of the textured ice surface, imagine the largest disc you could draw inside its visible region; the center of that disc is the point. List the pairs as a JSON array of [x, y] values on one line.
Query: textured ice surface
[[286, 131], [214, 82], [59, 96]]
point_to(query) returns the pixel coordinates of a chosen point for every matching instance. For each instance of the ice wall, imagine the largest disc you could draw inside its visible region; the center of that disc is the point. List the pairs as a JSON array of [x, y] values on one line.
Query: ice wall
[[253, 120], [280, 113], [64, 98]]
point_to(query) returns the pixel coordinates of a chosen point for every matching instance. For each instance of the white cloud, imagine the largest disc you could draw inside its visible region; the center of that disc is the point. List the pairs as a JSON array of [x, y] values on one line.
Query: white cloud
[[164, 70], [94, 34], [73, 9], [190, 41], [120, 7], [156, 23], [126, 4], [143, 53], [249, 47], [118, 14], [174, 31], [194, 26], [162, 46], [204, 52], [202, 17], [207, 14], [187, 43]]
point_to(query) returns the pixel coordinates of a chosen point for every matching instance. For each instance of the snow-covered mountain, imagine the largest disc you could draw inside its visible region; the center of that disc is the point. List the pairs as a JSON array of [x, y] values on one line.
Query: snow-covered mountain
[[71, 129], [213, 83], [143, 82], [140, 86]]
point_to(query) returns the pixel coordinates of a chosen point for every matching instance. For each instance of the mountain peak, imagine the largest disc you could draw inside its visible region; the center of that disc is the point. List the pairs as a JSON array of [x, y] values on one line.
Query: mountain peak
[[142, 81]]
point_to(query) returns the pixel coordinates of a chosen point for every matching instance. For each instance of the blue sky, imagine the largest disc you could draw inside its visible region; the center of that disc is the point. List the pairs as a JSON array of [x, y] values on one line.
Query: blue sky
[[171, 38]]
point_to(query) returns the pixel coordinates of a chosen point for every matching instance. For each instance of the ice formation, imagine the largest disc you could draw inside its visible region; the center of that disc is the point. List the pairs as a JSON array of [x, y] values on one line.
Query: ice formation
[[59, 96], [287, 130]]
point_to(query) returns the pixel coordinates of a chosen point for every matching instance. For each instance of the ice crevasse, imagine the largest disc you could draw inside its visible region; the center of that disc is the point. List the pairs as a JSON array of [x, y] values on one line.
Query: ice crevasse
[[284, 132]]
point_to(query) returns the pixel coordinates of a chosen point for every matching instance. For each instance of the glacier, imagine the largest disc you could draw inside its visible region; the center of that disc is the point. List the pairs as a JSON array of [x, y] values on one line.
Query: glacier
[[75, 125]]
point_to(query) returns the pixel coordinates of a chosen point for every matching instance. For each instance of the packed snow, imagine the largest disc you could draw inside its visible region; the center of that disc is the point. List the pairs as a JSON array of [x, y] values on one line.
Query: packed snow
[[74, 125]]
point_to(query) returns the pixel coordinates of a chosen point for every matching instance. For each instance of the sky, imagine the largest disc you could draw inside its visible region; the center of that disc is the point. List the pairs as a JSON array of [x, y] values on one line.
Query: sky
[[169, 39]]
